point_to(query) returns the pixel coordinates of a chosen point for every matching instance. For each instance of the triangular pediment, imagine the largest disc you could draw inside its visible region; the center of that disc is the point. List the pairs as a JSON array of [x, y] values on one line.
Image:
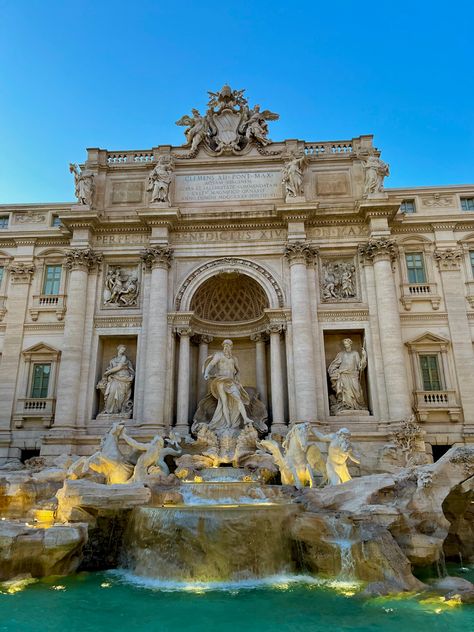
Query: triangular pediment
[[428, 338], [43, 349]]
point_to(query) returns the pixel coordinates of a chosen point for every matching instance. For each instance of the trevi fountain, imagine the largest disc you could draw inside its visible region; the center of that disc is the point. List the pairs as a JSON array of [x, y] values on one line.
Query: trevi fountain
[[206, 497]]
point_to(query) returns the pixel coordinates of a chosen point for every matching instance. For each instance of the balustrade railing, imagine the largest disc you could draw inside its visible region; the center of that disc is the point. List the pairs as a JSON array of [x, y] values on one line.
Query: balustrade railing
[[129, 157], [321, 150]]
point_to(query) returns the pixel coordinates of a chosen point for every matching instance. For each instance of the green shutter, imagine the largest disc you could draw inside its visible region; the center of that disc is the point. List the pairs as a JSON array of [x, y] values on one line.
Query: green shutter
[[415, 267], [52, 280], [430, 373], [40, 381]]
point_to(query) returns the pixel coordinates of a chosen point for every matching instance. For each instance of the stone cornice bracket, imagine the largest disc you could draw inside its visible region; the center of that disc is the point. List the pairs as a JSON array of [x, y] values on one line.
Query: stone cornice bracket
[[156, 257], [82, 258], [259, 336], [276, 328], [300, 252], [202, 338], [183, 331], [381, 248], [21, 272], [448, 258]]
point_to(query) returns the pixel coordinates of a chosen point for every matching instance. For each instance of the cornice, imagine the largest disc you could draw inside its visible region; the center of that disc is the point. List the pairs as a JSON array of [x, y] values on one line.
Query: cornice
[[117, 321], [328, 316]]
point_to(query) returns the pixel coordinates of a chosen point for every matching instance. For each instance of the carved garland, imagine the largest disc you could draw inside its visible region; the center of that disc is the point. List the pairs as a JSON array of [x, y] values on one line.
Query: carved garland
[[232, 262]]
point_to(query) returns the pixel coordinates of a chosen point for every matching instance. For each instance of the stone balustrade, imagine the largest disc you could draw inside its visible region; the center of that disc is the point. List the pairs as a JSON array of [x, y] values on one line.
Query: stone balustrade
[[34, 408], [127, 157], [321, 150], [48, 303], [420, 292], [443, 400]]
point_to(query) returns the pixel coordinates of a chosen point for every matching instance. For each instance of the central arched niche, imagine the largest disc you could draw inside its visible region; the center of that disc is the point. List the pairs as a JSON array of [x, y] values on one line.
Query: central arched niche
[[229, 297]]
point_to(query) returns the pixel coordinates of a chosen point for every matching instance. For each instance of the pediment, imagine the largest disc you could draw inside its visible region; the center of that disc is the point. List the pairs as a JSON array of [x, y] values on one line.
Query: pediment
[[42, 349], [428, 339]]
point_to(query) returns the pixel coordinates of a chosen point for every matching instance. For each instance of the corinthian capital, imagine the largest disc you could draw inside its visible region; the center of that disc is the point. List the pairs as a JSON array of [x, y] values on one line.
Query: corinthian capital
[[84, 258], [448, 258], [157, 256], [300, 252], [21, 272], [382, 247]]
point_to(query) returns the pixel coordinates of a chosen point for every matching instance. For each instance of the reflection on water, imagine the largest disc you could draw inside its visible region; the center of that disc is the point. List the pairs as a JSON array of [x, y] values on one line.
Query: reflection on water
[[119, 601]]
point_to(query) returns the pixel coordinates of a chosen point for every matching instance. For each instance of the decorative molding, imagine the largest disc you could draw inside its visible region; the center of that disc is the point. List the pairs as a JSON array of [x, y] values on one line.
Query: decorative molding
[[300, 252], [381, 247], [43, 327], [275, 328], [155, 257], [28, 218], [343, 316], [448, 258], [118, 321], [21, 272], [82, 258]]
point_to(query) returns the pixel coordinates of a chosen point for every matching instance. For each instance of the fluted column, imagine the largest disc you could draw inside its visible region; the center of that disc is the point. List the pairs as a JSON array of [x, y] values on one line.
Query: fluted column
[[260, 366], [299, 255], [276, 376], [79, 261], [20, 274], [382, 252], [204, 342], [182, 404], [158, 260]]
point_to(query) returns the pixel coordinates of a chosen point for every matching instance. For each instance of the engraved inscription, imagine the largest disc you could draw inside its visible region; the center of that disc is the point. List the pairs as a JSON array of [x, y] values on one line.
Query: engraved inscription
[[218, 187], [229, 235]]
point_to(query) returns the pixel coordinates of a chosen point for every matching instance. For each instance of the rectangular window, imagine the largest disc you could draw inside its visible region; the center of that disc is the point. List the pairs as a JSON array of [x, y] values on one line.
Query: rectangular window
[[415, 267], [430, 373], [52, 280], [4, 221], [56, 221], [40, 381], [467, 204], [2, 271], [408, 206]]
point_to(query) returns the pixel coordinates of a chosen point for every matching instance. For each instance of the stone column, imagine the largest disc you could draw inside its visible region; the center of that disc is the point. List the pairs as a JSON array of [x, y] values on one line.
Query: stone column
[[299, 254], [20, 278], [158, 260], [278, 410], [449, 264], [79, 261], [204, 342], [182, 404], [382, 252], [260, 366]]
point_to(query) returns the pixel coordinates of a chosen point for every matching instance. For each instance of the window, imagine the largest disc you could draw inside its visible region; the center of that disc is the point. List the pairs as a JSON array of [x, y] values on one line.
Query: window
[[56, 221], [467, 204], [2, 271], [415, 267], [4, 221], [471, 259], [52, 280], [430, 372], [408, 206], [40, 381]]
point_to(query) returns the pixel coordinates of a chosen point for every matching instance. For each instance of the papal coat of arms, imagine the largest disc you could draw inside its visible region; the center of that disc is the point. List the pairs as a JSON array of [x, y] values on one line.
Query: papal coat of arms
[[229, 125]]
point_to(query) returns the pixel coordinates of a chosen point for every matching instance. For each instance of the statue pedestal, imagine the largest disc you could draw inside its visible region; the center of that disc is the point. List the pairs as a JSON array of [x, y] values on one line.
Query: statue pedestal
[[351, 413], [111, 417]]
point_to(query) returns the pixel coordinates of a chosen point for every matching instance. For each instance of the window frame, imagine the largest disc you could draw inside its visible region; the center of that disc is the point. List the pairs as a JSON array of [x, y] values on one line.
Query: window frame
[[415, 269], [32, 385], [411, 201], [6, 216], [469, 200], [437, 369], [55, 280]]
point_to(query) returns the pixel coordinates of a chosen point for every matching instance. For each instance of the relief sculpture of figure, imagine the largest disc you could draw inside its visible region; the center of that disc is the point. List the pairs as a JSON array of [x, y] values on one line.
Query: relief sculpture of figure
[[339, 452], [375, 171], [344, 372], [83, 183], [293, 175], [160, 179], [223, 370], [116, 385]]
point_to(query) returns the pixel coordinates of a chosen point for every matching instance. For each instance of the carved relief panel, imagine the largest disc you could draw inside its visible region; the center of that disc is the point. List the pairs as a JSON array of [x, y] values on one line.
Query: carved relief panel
[[338, 280], [121, 286]]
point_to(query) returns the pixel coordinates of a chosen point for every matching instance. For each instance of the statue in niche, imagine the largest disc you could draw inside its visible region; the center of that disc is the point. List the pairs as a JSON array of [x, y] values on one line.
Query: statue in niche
[[344, 373], [121, 289], [84, 184], [375, 171], [223, 370], [293, 176], [339, 452], [159, 180], [116, 385], [339, 280]]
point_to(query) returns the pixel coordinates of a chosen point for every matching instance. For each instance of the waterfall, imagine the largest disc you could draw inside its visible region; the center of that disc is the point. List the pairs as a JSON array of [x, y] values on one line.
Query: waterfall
[[342, 531]]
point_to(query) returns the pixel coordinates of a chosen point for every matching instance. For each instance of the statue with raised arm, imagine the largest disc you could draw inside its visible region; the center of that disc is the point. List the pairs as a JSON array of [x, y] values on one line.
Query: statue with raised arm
[[223, 370], [116, 385], [339, 452], [159, 180], [83, 184], [375, 171], [293, 175], [255, 125], [198, 128], [344, 373]]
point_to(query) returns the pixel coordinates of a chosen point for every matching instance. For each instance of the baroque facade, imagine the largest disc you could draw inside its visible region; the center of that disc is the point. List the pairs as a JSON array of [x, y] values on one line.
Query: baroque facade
[[348, 304]]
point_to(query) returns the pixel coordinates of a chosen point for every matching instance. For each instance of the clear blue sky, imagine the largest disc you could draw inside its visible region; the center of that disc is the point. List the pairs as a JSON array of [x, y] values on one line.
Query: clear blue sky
[[117, 75]]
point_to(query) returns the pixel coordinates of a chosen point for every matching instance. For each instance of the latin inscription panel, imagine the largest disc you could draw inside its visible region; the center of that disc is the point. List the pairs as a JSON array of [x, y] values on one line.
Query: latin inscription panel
[[222, 187]]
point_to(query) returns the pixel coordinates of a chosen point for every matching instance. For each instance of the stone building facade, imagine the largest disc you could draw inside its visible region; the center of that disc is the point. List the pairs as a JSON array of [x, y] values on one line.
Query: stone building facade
[[286, 248]]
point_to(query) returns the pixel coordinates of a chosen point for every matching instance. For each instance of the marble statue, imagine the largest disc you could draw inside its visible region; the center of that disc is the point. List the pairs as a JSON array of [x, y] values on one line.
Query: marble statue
[[297, 459], [375, 171], [159, 180], [339, 452], [228, 126], [339, 280], [293, 176], [223, 370], [116, 385], [84, 184], [120, 289], [152, 457], [108, 460], [344, 373]]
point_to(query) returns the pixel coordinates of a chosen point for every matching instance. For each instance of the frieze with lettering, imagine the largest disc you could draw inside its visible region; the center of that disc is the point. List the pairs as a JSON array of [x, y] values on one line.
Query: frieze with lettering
[[221, 187], [205, 236]]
